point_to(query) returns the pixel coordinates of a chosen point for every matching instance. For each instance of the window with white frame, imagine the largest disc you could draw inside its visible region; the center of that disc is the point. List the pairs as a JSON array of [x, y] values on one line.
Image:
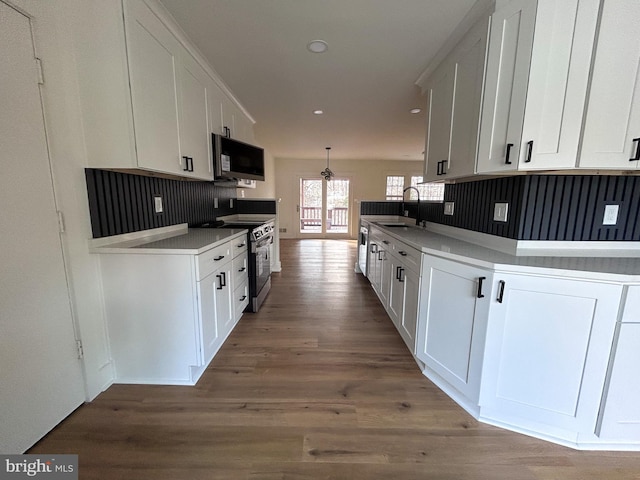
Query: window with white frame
[[432, 192], [395, 185]]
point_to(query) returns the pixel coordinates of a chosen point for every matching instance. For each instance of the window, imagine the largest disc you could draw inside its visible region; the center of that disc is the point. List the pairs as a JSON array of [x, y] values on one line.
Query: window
[[433, 192], [395, 185]]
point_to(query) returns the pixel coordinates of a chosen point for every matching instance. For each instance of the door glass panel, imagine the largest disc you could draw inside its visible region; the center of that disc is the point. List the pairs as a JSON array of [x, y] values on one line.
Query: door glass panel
[[338, 206], [310, 205]]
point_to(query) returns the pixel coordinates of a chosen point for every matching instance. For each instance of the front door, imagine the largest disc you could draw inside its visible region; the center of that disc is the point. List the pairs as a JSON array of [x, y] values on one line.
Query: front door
[[324, 207], [40, 374]]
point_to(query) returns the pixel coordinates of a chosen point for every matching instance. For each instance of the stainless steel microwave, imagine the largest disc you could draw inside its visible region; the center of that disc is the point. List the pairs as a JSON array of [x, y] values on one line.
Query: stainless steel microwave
[[233, 159]]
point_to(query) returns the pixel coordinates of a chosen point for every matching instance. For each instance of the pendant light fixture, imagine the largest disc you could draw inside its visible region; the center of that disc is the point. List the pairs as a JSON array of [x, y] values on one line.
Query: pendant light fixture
[[327, 173]]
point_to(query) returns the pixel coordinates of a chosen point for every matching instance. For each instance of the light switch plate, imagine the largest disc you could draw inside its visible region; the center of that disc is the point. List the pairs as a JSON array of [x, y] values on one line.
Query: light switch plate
[[448, 208], [157, 203], [610, 214], [500, 212]]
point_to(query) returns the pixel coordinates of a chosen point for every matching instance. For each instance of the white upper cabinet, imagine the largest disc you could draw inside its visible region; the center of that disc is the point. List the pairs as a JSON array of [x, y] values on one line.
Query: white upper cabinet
[[536, 84], [195, 138], [455, 94], [149, 101], [153, 54], [612, 124], [440, 115]]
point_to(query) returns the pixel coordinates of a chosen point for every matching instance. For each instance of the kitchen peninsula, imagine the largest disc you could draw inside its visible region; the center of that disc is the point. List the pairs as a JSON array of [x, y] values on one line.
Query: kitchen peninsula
[[542, 345]]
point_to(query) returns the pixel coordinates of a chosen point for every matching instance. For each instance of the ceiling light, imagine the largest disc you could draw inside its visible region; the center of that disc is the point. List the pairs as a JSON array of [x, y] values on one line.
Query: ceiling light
[[415, 110], [327, 173], [318, 112], [317, 46]]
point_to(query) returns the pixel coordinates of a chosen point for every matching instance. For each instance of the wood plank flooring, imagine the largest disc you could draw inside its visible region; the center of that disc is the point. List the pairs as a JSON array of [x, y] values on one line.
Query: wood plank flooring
[[317, 385]]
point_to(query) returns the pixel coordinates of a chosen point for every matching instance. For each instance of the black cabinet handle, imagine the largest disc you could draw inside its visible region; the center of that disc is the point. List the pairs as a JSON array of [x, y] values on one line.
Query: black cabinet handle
[[374, 248], [637, 155], [386, 242], [403, 253], [217, 259], [186, 164], [444, 167], [438, 169], [398, 272], [241, 245], [224, 279], [479, 293], [191, 163], [227, 132], [242, 269], [508, 154], [380, 254], [400, 277], [219, 287], [501, 285], [242, 298], [529, 151]]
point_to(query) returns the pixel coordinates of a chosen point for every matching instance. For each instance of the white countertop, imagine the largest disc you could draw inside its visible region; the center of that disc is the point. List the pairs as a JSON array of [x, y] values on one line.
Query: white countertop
[[171, 240], [597, 268]]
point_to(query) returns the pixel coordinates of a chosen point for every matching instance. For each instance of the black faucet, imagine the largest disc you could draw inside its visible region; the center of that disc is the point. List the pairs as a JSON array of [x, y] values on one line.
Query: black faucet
[[418, 211]]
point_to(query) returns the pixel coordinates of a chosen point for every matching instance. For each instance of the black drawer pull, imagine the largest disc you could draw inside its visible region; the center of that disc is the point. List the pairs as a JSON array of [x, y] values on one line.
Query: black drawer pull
[[637, 155], [386, 242], [374, 248], [403, 253], [242, 298], [242, 269], [444, 167], [479, 293], [529, 151], [508, 154], [219, 287], [224, 279], [400, 277], [186, 164], [398, 268], [501, 285], [241, 245], [217, 259]]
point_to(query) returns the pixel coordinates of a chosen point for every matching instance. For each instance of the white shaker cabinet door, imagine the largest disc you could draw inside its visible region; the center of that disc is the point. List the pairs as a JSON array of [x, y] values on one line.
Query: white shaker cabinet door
[[506, 80], [558, 78], [452, 322], [612, 124], [621, 413], [209, 328], [441, 92], [195, 138], [547, 349], [153, 54]]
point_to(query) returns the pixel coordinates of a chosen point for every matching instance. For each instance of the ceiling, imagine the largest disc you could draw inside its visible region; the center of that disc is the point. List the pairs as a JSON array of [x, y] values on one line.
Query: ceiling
[[364, 82]]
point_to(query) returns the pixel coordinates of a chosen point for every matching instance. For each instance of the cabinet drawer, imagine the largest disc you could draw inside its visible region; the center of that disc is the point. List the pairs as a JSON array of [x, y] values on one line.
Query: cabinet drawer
[[213, 259], [411, 257], [240, 268], [239, 245]]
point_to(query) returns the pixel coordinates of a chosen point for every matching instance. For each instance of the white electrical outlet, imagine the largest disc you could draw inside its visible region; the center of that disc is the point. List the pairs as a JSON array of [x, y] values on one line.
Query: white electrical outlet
[[157, 203], [231, 203], [500, 211], [448, 208], [215, 202], [610, 214]]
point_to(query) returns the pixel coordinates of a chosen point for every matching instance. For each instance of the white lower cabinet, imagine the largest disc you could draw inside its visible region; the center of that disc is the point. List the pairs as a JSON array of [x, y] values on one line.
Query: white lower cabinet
[[454, 305], [168, 314], [546, 355], [620, 410]]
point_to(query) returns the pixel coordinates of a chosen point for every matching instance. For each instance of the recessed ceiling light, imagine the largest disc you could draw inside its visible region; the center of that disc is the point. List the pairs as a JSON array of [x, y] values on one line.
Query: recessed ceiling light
[[415, 110], [317, 46], [318, 112]]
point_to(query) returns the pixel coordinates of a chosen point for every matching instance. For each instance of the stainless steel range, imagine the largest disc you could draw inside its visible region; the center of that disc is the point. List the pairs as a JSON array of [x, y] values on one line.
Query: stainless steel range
[[260, 238]]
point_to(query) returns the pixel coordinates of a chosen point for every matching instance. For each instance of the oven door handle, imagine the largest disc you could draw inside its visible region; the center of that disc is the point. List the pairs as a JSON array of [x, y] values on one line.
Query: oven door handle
[[263, 242]]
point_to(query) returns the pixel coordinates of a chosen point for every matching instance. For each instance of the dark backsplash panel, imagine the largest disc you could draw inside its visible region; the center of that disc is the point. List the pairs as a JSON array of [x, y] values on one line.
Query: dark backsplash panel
[[256, 206], [571, 207], [541, 207], [123, 203]]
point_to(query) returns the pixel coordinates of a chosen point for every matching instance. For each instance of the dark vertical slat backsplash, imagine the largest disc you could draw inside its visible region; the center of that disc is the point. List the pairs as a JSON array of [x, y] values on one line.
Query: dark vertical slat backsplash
[[256, 206], [123, 203], [541, 207]]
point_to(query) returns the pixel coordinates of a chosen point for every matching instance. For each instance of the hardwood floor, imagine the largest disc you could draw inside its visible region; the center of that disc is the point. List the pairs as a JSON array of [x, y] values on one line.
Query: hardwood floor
[[317, 385]]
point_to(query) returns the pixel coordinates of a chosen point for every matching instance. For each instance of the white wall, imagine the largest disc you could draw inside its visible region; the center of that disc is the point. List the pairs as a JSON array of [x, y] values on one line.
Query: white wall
[[53, 27], [368, 182]]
